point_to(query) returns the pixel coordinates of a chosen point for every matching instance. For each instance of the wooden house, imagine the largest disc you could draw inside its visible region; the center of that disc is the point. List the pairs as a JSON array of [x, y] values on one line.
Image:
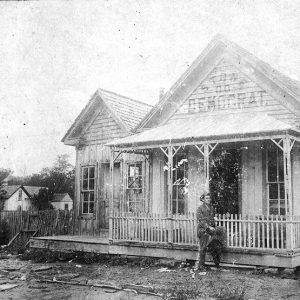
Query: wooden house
[[62, 201], [146, 169], [18, 197]]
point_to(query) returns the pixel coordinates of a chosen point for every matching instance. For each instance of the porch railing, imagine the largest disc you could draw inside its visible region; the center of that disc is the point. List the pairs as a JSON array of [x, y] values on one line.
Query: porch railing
[[250, 232]]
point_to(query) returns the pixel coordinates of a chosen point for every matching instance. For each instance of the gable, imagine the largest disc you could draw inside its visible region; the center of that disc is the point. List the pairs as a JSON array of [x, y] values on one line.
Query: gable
[[103, 128], [122, 114], [284, 91], [226, 89]]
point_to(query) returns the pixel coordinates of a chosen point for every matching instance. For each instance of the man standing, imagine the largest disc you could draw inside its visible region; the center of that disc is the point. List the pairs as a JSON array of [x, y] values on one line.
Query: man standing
[[205, 228]]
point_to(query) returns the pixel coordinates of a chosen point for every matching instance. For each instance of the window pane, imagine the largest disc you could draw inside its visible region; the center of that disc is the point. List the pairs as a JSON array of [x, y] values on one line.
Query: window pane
[[85, 207], [272, 166], [92, 172], [280, 166], [85, 197], [273, 207], [181, 206], [273, 211], [138, 170], [91, 185], [282, 191], [91, 208], [85, 184], [273, 191], [84, 173], [91, 197], [282, 207]]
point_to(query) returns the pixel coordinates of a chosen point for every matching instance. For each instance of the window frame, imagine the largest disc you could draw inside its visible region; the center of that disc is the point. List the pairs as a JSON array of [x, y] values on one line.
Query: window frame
[[135, 203], [179, 183], [278, 202], [87, 190], [20, 195]]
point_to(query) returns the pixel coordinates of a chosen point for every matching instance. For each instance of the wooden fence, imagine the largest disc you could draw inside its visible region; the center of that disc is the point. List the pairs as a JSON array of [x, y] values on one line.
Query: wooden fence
[[255, 232], [49, 222], [247, 232]]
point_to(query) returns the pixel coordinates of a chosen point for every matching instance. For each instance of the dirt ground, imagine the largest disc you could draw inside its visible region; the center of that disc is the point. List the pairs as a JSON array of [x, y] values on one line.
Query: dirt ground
[[39, 281]]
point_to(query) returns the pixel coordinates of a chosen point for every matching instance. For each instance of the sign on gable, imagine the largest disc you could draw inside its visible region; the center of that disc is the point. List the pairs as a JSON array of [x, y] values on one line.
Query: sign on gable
[[225, 88]]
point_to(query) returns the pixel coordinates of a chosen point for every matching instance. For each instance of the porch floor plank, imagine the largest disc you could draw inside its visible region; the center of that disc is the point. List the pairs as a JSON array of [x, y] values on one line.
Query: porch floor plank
[[101, 245]]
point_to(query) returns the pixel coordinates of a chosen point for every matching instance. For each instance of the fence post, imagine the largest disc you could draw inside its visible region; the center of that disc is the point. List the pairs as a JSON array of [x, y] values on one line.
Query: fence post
[[170, 229]]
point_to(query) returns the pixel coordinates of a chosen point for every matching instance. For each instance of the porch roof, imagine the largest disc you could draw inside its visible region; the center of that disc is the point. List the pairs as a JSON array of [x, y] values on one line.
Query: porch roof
[[208, 127]]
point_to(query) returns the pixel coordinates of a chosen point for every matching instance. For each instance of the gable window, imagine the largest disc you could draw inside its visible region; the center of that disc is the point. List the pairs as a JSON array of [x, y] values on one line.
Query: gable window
[[134, 186], [275, 181], [88, 189], [180, 184], [20, 195]]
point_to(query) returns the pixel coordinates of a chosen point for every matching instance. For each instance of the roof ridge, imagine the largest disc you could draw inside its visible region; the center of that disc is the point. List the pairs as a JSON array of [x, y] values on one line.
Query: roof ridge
[[128, 98], [261, 64]]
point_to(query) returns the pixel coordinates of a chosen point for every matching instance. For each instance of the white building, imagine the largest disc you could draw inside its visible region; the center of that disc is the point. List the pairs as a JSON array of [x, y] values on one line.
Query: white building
[[62, 201], [18, 197]]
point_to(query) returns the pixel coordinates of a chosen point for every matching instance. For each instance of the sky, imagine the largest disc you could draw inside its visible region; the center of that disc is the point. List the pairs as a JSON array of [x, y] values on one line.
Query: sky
[[55, 54]]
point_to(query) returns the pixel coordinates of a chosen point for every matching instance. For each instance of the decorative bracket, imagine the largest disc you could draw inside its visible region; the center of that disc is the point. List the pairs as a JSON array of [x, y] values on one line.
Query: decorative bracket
[[174, 150], [210, 148]]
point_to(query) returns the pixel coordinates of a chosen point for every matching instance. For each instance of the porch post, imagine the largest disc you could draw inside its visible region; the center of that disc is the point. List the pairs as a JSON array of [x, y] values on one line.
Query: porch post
[[287, 147], [170, 180], [111, 199], [206, 167], [286, 144], [206, 149], [288, 195]]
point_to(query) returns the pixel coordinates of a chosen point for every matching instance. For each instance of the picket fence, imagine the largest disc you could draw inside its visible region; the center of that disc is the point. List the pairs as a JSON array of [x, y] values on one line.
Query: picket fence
[[242, 231]]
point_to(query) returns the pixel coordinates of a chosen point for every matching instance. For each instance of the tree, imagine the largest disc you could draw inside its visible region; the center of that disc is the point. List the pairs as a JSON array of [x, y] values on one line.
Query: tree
[[60, 178], [3, 174], [224, 181], [41, 201]]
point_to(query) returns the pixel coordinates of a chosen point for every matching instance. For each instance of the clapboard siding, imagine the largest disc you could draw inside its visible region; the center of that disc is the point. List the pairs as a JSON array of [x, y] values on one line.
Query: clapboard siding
[[226, 89]]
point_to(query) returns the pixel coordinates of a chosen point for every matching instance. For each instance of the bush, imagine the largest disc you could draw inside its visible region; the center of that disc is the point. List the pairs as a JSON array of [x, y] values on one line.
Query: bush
[[4, 232]]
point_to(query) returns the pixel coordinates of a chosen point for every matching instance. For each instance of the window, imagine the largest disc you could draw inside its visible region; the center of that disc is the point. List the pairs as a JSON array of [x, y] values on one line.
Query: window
[[20, 195], [88, 189], [66, 207], [275, 180], [134, 193], [180, 184], [135, 176]]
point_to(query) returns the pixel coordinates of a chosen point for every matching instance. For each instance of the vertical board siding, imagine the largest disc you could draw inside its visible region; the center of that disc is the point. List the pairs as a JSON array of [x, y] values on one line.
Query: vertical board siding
[[49, 222], [252, 179]]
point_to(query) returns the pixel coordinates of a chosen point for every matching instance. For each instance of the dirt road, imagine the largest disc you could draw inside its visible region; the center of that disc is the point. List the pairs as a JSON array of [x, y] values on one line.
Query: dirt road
[[172, 283]]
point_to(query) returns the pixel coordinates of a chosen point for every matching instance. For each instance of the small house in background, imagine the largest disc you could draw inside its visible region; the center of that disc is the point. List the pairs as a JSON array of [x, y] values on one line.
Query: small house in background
[[18, 197], [62, 201]]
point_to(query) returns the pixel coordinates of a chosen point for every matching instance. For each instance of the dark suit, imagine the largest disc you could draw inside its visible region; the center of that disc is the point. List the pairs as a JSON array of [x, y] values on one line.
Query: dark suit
[[205, 220]]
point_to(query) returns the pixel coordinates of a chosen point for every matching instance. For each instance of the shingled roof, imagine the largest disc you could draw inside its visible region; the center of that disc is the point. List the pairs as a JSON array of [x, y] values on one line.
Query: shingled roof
[[129, 110], [29, 190], [127, 113]]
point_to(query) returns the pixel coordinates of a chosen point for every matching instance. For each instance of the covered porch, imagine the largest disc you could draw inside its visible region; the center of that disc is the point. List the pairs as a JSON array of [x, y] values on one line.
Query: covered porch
[[263, 220]]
